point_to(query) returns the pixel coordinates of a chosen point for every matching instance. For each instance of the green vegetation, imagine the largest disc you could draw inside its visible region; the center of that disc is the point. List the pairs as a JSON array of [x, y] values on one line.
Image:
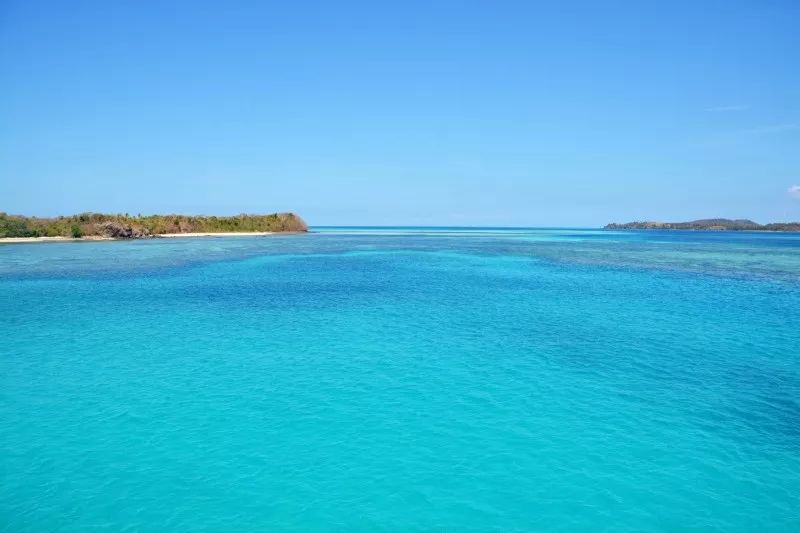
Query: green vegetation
[[126, 226], [712, 224]]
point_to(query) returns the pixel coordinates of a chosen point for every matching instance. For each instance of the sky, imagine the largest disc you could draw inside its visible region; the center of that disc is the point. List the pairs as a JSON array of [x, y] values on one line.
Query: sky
[[483, 113]]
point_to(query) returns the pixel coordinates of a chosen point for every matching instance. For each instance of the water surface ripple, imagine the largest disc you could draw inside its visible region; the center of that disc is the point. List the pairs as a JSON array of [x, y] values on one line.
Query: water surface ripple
[[402, 379]]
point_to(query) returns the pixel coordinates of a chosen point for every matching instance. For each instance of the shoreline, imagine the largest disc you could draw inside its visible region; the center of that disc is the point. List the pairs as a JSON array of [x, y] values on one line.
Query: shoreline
[[25, 240], [22, 240], [217, 234]]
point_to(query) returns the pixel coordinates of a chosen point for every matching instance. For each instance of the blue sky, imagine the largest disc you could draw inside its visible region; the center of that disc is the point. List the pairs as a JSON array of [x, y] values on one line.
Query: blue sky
[[455, 113]]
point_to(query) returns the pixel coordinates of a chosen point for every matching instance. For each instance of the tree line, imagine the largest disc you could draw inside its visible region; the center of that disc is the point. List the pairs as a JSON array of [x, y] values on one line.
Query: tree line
[[99, 224]]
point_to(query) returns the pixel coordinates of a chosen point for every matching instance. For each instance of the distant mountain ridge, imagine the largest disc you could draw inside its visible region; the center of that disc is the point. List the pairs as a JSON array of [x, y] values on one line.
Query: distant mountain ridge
[[709, 224]]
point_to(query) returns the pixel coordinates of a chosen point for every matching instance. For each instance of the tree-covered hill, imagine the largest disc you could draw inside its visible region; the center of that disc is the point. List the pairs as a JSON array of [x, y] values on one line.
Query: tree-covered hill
[[712, 224], [126, 226]]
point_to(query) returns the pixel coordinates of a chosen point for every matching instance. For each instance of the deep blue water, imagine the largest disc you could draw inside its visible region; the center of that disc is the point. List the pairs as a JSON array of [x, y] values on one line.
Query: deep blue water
[[402, 379]]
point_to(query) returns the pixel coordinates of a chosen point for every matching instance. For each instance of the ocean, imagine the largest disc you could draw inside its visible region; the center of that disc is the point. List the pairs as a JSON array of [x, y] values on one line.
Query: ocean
[[402, 379]]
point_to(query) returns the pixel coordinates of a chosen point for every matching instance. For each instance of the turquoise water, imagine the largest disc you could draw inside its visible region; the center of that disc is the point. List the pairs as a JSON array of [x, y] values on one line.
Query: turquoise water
[[402, 379]]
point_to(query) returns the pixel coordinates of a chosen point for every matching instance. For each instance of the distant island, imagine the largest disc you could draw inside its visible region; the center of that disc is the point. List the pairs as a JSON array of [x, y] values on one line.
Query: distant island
[[105, 226], [710, 224]]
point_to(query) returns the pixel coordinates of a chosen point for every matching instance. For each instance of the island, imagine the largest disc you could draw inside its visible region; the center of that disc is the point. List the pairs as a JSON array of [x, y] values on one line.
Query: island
[[94, 226], [709, 224]]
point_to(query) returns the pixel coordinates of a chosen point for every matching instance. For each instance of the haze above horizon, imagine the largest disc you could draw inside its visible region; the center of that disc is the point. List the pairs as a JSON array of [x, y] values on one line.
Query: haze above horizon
[[454, 114]]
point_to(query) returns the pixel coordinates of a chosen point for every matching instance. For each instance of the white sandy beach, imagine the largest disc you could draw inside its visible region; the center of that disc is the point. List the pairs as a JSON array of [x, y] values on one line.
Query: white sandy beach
[[221, 234], [15, 240], [20, 240]]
